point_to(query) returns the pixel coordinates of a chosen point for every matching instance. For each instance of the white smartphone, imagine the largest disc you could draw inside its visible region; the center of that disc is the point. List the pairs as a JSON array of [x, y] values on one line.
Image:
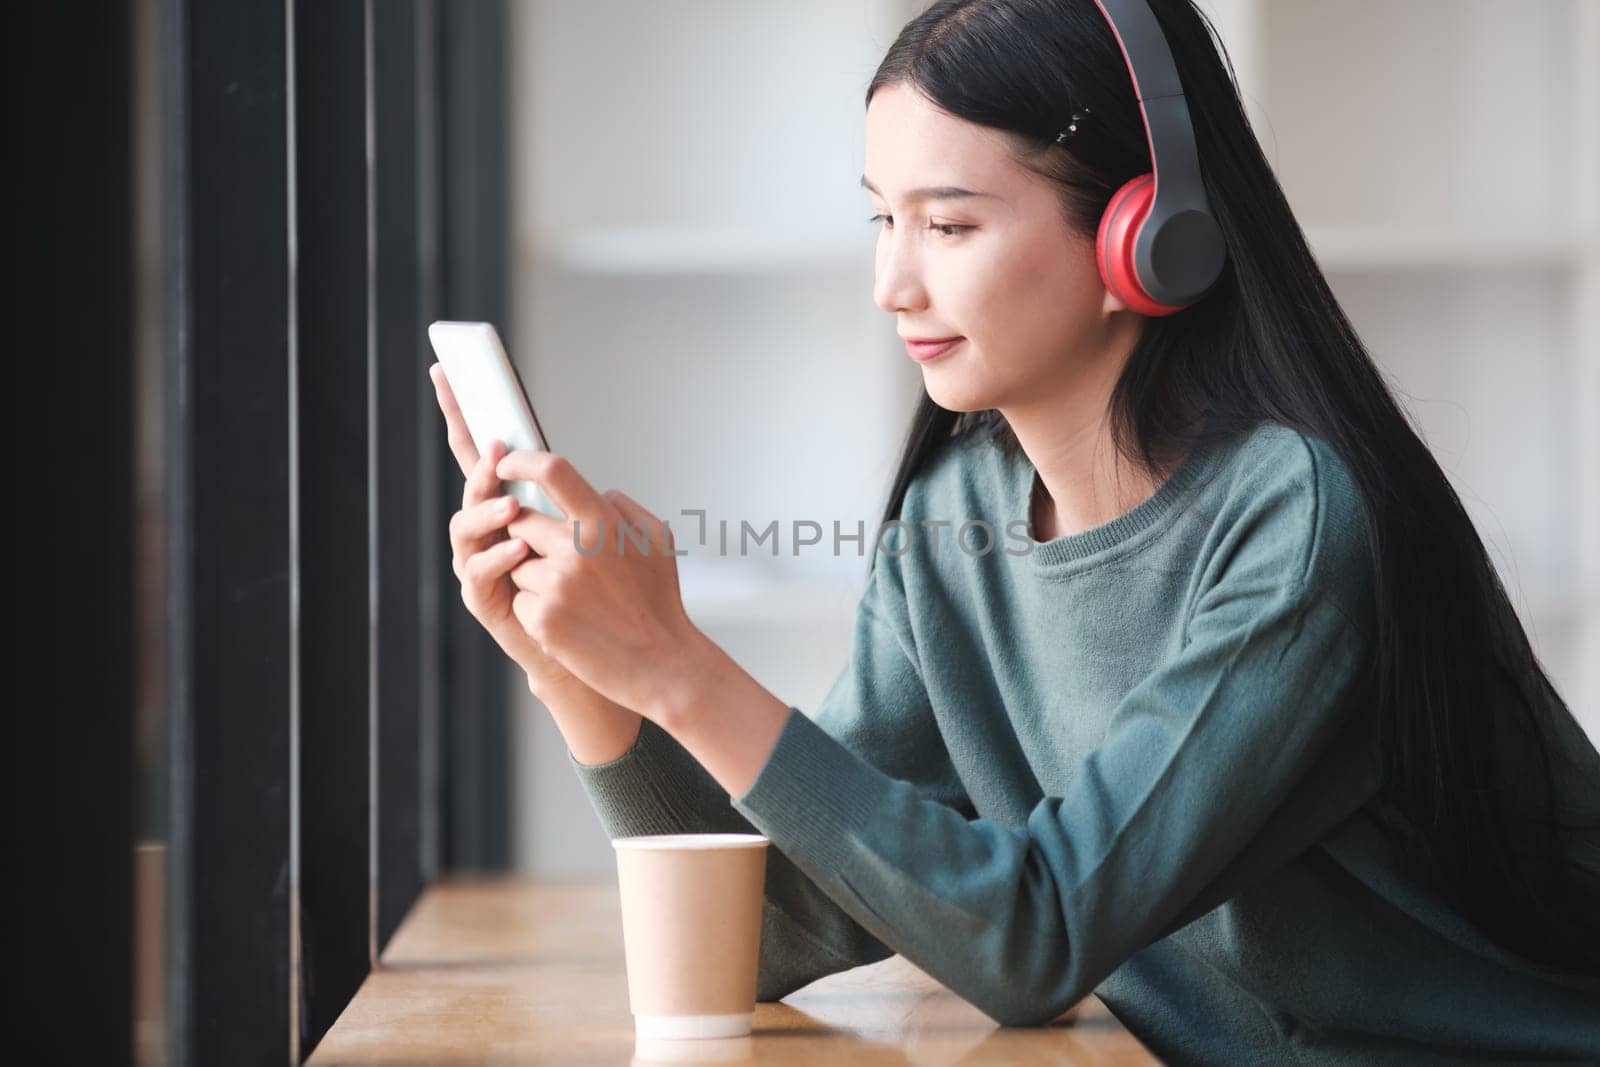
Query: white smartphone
[[493, 402]]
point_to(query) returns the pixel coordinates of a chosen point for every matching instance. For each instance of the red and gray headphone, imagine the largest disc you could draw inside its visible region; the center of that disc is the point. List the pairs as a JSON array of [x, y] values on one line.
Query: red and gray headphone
[[1159, 248]]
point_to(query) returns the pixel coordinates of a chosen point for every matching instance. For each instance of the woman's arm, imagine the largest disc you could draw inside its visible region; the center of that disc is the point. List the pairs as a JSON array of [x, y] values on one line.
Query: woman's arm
[[1241, 751], [594, 729], [877, 709], [1025, 922]]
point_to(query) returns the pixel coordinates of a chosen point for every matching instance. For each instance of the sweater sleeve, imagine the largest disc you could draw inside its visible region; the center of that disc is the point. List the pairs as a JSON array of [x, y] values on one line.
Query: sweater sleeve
[[1200, 757], [877, 712]]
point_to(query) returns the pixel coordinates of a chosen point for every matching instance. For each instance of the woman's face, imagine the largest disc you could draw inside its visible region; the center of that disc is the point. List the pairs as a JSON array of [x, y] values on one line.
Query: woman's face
[[1001, 269]]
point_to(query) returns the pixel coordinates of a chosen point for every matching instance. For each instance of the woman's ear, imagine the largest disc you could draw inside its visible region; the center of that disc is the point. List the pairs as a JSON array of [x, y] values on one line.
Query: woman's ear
[[1112, 303]]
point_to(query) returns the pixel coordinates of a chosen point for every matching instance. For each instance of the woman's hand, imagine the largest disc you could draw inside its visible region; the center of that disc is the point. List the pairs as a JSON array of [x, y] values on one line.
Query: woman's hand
[[482, 554], [607, 606], [603, 599]]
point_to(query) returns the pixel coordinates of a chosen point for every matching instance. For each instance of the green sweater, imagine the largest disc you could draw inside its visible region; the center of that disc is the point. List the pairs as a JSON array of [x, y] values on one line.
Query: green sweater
[[1136, 761]]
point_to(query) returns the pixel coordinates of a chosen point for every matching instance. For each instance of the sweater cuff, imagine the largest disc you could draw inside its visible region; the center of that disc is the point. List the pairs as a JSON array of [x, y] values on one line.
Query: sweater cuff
[[636, 793], [814, 796]]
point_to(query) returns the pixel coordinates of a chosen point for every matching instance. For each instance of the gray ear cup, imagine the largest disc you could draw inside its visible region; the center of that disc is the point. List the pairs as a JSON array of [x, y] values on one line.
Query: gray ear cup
[[1180, 257]]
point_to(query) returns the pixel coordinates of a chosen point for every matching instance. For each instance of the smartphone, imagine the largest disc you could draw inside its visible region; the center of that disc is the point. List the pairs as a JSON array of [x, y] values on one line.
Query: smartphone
[[493, 402]]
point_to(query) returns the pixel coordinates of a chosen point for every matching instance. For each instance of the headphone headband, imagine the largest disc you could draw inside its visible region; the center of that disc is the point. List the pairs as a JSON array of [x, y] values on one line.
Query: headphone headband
[[1179, 251]]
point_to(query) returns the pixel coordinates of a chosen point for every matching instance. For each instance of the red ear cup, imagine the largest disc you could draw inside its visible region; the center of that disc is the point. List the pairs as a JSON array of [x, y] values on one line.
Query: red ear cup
[[1113, 245]]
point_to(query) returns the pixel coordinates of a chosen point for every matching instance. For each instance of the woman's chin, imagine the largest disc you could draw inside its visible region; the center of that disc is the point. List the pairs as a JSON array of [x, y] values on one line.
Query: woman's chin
[[953, 394]]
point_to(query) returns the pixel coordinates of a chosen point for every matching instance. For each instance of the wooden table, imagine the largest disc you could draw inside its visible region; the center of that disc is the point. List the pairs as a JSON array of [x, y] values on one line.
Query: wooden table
[[511, 972]]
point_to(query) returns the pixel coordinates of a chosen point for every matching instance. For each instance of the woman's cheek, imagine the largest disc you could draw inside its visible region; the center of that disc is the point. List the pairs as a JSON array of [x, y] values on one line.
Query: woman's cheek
[[985, 295]]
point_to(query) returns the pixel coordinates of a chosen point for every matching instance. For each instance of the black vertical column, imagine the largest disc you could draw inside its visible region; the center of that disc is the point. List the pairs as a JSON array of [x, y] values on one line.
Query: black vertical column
[[475, 225], [232, 413], [404, 422], [333, 524], [72, 403]]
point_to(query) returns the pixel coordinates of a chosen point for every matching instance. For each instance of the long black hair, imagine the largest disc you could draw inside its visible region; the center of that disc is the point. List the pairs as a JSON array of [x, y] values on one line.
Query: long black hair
[[1453, 672]]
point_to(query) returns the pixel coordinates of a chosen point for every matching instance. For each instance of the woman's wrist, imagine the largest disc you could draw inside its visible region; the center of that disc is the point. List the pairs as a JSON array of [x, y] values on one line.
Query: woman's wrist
[[720, 714], [702, 669], [596, 730]]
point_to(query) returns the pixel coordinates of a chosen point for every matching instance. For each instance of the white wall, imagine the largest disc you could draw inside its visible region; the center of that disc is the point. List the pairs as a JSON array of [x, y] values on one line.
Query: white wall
[[693, 287], [693, 269]]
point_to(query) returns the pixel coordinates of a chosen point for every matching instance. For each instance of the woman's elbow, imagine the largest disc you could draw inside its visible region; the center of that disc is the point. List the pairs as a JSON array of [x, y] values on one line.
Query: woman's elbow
[[1024, 1011], [1031, 996]]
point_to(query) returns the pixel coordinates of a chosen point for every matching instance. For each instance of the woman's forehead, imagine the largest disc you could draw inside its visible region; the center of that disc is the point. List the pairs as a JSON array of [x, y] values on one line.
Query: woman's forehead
[[914, 147]]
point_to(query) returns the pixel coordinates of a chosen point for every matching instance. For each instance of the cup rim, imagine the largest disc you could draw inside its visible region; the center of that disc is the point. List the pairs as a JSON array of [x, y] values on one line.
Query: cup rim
[[682, 842]]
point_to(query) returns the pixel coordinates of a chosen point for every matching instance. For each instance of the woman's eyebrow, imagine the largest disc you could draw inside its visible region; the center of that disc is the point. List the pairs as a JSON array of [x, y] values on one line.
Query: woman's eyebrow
[[933, 192]]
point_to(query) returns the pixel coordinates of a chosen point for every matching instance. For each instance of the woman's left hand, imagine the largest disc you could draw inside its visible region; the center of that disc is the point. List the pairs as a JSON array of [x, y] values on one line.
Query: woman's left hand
[[611, 614]]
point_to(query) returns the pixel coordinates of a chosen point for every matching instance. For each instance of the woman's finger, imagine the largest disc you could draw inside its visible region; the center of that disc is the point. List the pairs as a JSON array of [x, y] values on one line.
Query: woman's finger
[[489, 566], [658, 533], [472, 528], [546, 536], [458, 435], [482, 481], [532, 575], [561, 481]]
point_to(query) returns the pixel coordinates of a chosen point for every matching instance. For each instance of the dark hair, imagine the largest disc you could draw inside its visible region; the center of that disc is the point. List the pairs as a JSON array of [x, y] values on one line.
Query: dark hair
[[1452, 666]]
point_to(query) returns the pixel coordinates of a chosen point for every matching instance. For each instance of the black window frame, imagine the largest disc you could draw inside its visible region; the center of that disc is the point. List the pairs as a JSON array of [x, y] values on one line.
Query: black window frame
[[333, 178]]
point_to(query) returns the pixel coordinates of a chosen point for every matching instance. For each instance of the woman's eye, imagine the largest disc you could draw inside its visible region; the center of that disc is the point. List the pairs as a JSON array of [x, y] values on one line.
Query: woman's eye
[[945, 229]]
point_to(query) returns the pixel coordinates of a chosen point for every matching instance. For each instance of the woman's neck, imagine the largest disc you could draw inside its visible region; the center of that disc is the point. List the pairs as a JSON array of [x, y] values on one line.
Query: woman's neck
[[1086, 482], [1082, 481]]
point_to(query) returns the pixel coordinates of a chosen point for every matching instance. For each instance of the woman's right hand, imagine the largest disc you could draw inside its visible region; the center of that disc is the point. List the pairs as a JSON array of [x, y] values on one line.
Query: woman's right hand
[[483, 555]]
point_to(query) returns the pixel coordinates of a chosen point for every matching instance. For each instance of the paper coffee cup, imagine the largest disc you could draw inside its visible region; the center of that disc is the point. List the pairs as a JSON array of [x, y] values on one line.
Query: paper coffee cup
[[662, 1051], [691, 931]]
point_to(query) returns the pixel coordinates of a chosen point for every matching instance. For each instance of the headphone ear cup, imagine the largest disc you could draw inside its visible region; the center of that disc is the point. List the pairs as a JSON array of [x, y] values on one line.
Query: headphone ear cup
[[1114, 242]]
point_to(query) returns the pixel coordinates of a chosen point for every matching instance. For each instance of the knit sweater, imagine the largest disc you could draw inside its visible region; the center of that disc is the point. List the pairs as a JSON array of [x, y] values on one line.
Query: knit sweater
[[1138, 761]]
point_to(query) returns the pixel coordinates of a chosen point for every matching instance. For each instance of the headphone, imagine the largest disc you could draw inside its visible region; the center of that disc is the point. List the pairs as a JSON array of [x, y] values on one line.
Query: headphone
[[1158, 247]]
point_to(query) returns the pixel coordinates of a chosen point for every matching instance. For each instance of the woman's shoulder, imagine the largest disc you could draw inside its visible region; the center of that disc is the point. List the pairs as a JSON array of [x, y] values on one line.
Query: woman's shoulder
[[1275, 454], [1290, 496]]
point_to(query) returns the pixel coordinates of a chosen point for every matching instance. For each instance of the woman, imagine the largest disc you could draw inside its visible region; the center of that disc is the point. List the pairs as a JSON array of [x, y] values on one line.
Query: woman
[[1249, 740]]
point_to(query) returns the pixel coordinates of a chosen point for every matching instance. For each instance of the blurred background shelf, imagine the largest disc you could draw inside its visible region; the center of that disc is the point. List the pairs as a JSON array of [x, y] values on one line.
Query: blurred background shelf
[[1376, 246], [744, 595], [1451, 191], [693, 274], [666, 250]]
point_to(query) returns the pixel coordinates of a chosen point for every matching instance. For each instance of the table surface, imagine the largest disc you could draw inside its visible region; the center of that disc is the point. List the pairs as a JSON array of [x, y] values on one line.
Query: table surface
[[505, 972]]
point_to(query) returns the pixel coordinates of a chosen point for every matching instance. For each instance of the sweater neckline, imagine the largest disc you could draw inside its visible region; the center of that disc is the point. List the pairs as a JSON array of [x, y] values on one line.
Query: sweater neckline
[[1077, 551]]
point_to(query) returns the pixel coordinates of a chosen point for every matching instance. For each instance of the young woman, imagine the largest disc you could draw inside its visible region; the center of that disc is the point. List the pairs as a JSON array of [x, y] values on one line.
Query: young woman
[[1248, 741]]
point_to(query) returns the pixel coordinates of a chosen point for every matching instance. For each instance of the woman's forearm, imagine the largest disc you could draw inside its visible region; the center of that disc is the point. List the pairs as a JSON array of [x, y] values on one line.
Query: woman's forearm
[[726, 719], [596, 729]]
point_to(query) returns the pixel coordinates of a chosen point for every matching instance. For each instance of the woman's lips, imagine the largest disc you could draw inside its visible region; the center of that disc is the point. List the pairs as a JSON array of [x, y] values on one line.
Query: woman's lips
[[923, 351]]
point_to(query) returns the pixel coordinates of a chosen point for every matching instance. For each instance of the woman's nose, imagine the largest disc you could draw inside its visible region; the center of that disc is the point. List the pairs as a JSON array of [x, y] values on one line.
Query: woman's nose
[[897, 285]]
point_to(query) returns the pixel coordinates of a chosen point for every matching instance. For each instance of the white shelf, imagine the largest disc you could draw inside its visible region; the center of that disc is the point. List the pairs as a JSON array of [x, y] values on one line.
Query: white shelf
[[668, 250], [744, 595], [772, 605], [685, 250], [1380, 247]]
